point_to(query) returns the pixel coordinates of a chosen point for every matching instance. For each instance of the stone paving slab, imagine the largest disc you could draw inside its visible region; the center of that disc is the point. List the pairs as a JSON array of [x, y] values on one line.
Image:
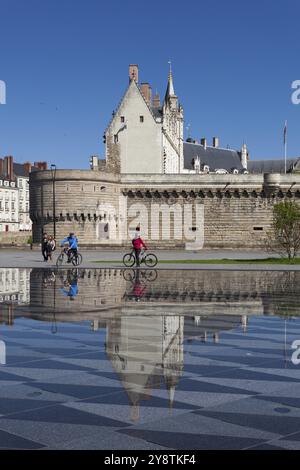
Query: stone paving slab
[[19, 258]]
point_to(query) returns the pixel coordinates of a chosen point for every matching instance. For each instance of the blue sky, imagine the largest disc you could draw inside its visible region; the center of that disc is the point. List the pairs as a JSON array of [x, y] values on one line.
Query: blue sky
[[65, 64]]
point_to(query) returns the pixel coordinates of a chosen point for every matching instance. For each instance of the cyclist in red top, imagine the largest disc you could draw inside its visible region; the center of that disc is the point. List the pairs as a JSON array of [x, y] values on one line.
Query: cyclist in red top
[[138, 244]]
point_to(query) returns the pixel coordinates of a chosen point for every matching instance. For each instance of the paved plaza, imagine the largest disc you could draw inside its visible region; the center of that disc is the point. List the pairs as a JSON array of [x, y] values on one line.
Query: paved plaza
[[71, 390], [19, 257], [113, 359]]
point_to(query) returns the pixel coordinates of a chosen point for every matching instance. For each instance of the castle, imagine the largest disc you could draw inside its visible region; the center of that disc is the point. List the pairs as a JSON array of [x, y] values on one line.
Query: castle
[[183, 194]]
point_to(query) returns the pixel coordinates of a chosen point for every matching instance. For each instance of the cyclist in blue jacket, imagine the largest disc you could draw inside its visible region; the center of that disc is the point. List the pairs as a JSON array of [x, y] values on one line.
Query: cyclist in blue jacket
[[72, 241]]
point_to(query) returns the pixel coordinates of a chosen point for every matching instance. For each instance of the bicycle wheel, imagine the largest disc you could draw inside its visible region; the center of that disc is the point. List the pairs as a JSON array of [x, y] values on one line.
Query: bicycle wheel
[[150, 260], [77, 259], [150, 275], [60, 260], [129, 274], [129, 260]]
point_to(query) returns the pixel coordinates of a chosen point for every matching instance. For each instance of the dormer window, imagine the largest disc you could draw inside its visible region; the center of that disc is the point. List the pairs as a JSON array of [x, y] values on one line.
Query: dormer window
[[141, 118]]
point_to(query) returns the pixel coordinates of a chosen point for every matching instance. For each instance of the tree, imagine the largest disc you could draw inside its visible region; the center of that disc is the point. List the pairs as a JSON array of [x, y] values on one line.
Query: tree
[[284, 237]]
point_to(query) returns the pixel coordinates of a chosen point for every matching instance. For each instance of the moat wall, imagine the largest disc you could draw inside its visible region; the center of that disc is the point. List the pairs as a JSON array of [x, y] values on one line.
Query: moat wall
[[235, 211]]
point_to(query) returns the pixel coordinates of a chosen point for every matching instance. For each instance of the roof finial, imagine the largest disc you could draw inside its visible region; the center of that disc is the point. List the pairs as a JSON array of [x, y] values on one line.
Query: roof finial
[[170, 89]]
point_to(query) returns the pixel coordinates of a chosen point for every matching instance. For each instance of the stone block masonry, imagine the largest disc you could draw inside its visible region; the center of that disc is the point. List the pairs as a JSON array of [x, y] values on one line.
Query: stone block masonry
[[100, 207]]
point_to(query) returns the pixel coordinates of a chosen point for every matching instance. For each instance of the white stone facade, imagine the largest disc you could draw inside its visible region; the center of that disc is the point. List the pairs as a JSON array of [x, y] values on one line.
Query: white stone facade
[[24, 218], [143, 139], [9, 206]]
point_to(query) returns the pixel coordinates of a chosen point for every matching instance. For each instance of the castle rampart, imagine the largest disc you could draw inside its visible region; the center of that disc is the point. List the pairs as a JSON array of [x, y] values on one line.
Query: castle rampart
[[101, 208]]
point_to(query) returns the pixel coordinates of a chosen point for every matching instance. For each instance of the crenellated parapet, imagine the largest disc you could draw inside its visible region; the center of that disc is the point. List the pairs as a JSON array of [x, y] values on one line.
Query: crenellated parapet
[[170, 195]]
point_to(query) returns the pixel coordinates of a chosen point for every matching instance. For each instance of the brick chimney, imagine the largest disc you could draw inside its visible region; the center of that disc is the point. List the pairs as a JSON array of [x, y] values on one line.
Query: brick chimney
[[216, 142], [156, 101], [203, 142], [41, 165], [1, 166], [146, 92], [8, 167], [134, 72], [27, 167]]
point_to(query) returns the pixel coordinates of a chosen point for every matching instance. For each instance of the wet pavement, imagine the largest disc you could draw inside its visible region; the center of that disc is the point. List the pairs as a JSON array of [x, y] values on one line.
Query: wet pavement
[[146, 359]]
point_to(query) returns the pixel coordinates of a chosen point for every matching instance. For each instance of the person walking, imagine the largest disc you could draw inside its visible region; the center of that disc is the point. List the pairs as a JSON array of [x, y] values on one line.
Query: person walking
[[44, 246], [50, 246]]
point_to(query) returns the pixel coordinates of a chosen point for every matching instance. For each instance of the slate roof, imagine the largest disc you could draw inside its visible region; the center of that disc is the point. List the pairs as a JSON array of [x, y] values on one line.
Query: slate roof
[[271, 166], [214, 157], [19, 170], [157, 112]]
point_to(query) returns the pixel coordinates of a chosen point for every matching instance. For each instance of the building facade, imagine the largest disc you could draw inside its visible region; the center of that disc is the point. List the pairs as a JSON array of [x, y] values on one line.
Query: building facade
[[181, 194], [14, 194], [9, 206]]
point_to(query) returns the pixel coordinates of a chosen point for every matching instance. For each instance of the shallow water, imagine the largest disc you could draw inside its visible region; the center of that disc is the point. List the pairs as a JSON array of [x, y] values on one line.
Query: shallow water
[[127, 359]]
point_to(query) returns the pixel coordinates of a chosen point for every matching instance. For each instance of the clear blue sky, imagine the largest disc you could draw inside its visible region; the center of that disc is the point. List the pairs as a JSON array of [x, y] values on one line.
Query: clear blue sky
[[65, 64]]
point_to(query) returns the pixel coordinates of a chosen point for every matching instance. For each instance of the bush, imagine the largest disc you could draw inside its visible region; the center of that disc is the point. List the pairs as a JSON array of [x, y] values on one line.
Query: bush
[[284, 237]]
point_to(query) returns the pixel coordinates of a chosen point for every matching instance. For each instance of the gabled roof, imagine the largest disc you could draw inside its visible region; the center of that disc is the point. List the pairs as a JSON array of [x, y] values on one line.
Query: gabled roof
[[19, 170], [131, 83], [214, 157], [272, 166]]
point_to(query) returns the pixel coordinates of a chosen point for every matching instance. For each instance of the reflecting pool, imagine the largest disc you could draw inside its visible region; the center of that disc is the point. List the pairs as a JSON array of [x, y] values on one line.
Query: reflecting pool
[[146, 359]]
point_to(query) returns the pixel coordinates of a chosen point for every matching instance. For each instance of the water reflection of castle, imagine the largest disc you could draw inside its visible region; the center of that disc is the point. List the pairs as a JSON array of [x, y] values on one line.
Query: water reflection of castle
[[147, 353], [145, 339]]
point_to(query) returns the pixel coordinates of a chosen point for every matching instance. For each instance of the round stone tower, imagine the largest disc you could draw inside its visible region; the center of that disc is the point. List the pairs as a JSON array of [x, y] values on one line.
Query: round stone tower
[[84, 202]]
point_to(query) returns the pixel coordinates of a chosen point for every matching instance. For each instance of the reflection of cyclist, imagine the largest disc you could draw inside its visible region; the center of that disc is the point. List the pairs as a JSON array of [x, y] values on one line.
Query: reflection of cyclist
[[138, 288], [138, 244], [72, 242], [71, 288]]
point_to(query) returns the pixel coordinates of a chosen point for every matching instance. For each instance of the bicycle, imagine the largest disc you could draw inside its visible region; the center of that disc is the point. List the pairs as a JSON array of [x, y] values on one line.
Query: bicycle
[[150, 259], [74, 258], [147, 275]]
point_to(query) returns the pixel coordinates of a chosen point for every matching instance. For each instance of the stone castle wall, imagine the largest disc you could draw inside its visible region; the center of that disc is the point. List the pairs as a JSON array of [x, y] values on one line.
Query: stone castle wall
[[234, 211]]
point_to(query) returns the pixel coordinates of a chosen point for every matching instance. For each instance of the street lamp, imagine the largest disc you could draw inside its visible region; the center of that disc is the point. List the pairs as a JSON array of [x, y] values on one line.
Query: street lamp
[[53, 173]]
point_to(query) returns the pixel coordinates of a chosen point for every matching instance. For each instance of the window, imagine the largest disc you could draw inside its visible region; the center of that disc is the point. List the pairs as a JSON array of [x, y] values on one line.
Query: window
[[122, 118], [258, 228], [141, 118]]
